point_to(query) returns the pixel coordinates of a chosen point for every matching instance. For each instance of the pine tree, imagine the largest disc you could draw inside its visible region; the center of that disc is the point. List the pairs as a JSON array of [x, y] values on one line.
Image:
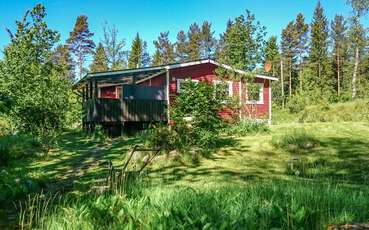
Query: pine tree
[[181, 47], [318, 54], [222, 40], [61, 57], [339, 41], [146, 59], [289, 45], [80, 43], [242, 43], [208, 42], [135, 56], [164, 53], [114, 48], [302, 30], [99, 63], [194, 42], [271, 54]]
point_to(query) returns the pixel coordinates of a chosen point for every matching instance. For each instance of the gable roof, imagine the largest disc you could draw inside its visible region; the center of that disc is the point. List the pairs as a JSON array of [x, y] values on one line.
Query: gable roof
[[145, 73]]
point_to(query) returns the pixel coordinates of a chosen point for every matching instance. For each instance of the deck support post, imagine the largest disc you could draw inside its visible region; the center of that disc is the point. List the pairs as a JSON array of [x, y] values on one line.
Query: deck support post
[[95, 89]]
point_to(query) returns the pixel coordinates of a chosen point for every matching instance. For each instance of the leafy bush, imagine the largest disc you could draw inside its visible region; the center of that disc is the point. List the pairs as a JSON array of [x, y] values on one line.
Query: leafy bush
[[247, 127], [261, 205], [297, 103], [16, 185], [18, 146], [200, 104], [349, 111], [295, 141]]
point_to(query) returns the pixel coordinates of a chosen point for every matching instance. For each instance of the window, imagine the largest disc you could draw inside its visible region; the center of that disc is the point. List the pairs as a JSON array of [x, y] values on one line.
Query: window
[[181, 81], [229, 86], [256, 96]]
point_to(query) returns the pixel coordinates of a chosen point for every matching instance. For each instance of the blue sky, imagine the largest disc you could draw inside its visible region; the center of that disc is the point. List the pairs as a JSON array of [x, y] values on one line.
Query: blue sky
[[149, 17]]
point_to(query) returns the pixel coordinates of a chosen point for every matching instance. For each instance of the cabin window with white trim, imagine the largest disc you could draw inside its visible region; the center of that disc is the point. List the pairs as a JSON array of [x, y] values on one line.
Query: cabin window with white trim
[[181, 81], [228, 88], [256, 94]]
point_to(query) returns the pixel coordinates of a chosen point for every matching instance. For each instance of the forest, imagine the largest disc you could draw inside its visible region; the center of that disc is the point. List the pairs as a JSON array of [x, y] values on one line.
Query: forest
[[307, 170]]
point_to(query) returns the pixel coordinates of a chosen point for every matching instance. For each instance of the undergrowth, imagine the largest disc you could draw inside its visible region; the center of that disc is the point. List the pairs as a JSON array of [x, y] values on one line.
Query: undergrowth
[[260, 205]]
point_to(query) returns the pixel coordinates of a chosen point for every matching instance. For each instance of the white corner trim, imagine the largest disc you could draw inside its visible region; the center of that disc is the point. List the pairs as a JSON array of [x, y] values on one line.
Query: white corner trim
[[270, 102], [167, 92]]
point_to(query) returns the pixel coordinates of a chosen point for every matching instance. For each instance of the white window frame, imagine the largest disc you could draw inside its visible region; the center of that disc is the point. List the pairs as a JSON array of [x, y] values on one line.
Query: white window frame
[[180, 80], [230, 86], [260, 101]]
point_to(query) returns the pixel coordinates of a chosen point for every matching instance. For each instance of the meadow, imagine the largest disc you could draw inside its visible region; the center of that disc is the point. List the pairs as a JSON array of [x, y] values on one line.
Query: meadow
[[294, 176]]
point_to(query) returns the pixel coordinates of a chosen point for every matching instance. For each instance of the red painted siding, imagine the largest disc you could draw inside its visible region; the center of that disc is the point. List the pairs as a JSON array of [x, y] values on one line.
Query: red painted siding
[[206, 72]]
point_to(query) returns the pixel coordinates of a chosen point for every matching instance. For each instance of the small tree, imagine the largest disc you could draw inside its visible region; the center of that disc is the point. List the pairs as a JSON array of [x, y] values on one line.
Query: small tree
[[38, 90], [114, 48]]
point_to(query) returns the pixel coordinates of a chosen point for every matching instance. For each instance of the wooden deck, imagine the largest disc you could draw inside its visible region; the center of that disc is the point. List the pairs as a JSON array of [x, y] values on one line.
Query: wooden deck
[[102, 110]]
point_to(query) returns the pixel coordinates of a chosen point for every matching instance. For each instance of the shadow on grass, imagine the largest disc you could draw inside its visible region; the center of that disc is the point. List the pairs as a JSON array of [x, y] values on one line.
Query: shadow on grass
[[80, 161], [338, 159]]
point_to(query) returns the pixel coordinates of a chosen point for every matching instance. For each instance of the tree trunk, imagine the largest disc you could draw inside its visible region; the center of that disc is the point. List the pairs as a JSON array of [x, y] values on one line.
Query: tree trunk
[[282, 87], [290, 79], [338, 76], [354, 75], [300, 74]]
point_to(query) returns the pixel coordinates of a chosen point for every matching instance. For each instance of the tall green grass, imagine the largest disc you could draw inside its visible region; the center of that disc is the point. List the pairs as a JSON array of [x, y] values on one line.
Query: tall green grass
[[259, 205], [295, 141], [357, 110]]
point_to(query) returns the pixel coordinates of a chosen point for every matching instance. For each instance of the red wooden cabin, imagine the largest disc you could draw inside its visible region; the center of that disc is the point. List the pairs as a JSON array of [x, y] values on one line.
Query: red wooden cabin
[[167, 80]]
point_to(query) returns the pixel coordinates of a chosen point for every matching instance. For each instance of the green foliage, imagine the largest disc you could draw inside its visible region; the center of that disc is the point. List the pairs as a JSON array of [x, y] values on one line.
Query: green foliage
[[100, 62], [195, 115], [247, 127], [296, 141], [164, 52], [194, 42], [15, 147], [62, 58], [80, 42], [39, 93], [15, 186], [318, 54], [138, 57], [201, 102], [243, 43], [261, 205], [357, 110], [272, 55]]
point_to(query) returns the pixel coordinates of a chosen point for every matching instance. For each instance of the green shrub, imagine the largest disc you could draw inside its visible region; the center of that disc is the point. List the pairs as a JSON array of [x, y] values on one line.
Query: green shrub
[[16, 185], [297, 103], [295, 141], [196, 121], [247, 127], [18, 146]]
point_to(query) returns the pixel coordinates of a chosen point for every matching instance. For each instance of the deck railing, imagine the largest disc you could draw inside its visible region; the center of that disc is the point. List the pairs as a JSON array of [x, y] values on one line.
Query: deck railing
[[118, 110]]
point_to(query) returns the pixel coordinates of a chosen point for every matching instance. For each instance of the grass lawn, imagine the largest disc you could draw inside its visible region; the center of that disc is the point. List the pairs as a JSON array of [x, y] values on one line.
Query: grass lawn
[[338, 155]]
